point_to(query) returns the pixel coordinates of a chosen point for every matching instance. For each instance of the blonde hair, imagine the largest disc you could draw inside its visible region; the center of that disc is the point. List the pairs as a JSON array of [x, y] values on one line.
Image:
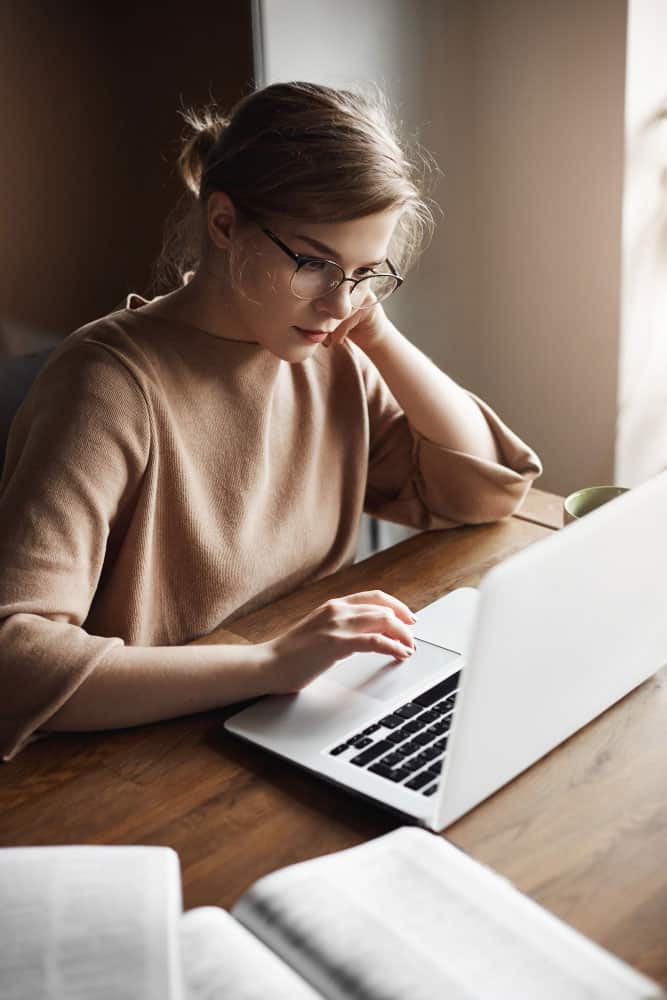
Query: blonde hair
[[298, 151]]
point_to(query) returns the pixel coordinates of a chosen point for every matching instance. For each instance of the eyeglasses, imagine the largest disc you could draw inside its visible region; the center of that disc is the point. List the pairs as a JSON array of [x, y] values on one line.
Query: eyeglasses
[[315, 277]]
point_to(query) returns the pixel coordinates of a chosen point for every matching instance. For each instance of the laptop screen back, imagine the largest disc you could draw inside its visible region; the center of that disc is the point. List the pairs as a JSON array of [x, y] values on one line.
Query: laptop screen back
[[563, 630]]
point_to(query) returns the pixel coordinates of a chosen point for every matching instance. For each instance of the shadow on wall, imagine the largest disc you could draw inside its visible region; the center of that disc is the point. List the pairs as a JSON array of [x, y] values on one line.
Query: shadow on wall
[[91, 94]]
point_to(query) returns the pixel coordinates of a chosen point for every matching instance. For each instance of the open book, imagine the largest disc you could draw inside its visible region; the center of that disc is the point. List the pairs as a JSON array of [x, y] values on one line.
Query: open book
[[404, 917]]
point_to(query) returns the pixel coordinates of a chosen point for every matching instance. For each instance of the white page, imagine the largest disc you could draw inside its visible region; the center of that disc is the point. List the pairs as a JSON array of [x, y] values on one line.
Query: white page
[[222, 959], [89, 923], [410, 916]]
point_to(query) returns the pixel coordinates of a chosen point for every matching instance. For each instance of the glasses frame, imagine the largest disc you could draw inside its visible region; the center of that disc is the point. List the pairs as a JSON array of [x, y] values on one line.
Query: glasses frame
[[301, 259]]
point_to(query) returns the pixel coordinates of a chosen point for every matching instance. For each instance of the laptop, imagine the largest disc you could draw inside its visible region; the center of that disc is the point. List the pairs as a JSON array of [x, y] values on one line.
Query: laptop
[[500, 676]]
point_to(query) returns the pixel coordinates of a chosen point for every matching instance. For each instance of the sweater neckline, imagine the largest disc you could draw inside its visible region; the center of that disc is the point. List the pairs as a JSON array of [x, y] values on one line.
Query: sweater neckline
[[132, 309]]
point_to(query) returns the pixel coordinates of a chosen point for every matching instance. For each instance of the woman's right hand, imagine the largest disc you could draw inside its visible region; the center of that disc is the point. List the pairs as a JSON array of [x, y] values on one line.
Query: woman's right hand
[[368, 622]]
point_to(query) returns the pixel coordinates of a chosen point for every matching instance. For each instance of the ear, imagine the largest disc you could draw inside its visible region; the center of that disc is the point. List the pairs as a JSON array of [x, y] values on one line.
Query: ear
[[220, 218]]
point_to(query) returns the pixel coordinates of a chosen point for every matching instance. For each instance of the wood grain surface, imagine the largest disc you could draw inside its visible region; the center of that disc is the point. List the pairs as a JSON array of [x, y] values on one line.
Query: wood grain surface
[[583, 831]]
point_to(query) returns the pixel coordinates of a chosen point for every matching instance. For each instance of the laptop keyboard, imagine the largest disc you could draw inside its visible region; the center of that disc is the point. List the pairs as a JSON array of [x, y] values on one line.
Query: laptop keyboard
[[407, 746]]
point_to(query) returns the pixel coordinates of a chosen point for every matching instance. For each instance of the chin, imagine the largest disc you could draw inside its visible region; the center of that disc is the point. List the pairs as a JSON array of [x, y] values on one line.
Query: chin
[[293, 353]]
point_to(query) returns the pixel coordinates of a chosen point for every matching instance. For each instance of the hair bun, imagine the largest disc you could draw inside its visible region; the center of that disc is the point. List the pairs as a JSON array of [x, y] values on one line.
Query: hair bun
[[205, 129]]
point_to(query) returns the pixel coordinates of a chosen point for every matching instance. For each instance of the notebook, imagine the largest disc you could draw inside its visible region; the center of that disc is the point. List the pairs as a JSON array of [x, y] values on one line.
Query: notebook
[[501, 674]]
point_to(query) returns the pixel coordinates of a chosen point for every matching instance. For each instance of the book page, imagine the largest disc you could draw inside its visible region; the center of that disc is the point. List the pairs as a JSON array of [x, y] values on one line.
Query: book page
[[409, 915], [89, 923], [222, 959]]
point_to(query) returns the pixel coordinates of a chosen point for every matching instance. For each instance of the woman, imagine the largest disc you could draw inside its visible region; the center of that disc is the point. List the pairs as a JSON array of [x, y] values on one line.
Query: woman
[[184, 460]]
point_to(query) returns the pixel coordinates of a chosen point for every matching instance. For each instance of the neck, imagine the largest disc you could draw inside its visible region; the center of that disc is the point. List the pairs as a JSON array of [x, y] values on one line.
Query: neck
[[206, 302]]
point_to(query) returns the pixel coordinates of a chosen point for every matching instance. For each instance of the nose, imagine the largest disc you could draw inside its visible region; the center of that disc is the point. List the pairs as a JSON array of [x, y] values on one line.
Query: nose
[[338, 303]]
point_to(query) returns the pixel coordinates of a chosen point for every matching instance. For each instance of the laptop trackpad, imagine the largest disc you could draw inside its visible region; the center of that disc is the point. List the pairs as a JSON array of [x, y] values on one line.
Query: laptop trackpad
[[381, 677]]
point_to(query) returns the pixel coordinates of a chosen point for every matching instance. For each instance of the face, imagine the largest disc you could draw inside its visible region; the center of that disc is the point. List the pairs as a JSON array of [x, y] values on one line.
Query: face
[[270, 314]]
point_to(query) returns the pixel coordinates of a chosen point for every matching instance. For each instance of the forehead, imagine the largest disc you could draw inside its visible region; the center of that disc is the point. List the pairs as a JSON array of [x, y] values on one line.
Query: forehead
[[358, 240]]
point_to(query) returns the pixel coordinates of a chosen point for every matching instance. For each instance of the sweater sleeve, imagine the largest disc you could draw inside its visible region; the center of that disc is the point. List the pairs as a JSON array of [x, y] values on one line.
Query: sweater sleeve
[[415, 482], [76, 454]]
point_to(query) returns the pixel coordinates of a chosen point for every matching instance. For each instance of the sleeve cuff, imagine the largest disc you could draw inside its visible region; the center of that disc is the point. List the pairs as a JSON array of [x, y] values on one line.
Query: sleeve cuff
[[466, 489]]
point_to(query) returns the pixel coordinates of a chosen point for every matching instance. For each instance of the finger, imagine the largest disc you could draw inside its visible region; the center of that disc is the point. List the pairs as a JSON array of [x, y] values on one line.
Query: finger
[[388, 600], [370, 618], [376, 642], [337, 338]]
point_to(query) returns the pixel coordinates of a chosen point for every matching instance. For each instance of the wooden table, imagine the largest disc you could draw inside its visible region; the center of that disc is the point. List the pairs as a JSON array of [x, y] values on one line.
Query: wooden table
[[583, 831]]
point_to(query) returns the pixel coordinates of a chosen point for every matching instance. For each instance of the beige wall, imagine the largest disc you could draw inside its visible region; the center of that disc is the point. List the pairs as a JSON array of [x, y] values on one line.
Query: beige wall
[[531, 139]]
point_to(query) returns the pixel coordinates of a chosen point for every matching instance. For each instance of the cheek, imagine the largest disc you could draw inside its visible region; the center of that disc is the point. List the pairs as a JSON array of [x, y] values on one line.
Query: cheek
[[269, 277]]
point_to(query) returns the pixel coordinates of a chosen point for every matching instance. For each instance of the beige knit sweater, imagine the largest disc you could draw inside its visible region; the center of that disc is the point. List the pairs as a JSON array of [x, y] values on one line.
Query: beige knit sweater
[[160, 481]]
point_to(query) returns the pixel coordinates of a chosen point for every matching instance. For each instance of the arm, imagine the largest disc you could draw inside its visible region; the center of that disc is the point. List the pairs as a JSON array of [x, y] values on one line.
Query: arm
[[438, 455], [77, 457], [137, 685], [434, 404]]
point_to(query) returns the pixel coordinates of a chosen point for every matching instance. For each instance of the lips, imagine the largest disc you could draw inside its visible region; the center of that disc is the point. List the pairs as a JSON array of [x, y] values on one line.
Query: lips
[[313, 336]]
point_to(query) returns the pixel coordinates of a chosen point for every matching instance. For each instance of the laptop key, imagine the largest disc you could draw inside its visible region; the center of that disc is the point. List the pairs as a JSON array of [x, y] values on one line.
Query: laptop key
[[339, 749], [441, 690], [430, 715], [440, 727], [392, 759], [391, 721], [430, 791], [381, 769], [370, 753], [408, 710], [412, 765], [398, 735], [362, 742], [421, 739], [391, 773], [419, 781]]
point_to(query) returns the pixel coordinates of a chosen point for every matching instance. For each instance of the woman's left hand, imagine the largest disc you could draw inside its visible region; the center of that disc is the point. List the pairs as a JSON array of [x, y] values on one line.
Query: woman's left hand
[[365, 327]]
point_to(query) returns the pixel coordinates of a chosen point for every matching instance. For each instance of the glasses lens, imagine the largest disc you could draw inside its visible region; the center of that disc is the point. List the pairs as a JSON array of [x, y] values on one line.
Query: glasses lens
[[373, 289], [316, 278]]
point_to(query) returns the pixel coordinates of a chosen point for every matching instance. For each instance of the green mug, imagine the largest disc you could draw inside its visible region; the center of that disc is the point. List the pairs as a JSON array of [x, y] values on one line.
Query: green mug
[[584, 501]]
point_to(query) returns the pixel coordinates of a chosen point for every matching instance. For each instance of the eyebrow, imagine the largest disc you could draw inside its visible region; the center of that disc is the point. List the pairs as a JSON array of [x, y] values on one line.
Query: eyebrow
[[328, 251]]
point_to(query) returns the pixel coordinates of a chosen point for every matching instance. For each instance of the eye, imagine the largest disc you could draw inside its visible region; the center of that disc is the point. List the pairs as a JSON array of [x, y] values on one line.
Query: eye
[[314, 265], [363, 272]]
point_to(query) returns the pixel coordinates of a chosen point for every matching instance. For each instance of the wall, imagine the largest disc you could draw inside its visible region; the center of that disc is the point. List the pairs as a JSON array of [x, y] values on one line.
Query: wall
[[534, 195], [90, 99], [642, 421], [522, 104]]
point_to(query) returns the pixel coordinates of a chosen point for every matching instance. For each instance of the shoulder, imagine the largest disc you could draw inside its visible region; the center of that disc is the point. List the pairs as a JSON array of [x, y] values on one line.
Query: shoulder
[[90, 375], [124, 346], [84, 403]]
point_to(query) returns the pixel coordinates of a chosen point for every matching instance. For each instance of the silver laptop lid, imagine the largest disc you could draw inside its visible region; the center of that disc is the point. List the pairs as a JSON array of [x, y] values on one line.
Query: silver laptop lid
[[563, 630]]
